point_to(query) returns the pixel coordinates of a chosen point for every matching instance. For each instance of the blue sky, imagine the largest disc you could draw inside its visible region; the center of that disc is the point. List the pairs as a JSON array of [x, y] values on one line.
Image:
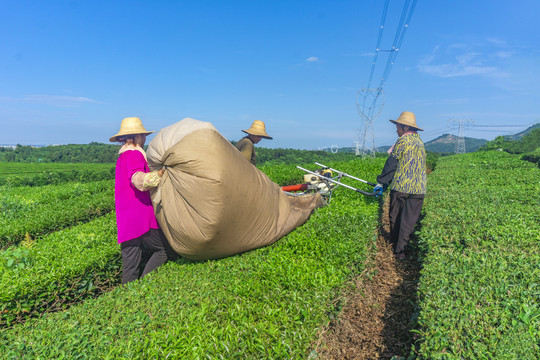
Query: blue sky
[[70, 71]]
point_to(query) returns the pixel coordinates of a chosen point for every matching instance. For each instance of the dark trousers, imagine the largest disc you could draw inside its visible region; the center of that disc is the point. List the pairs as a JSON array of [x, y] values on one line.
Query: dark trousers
[[404, 213], [132, 250]]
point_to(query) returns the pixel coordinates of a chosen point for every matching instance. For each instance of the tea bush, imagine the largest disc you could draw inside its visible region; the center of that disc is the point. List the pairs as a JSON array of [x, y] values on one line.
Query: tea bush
[[45, 209], [58, 269], [480, 237]]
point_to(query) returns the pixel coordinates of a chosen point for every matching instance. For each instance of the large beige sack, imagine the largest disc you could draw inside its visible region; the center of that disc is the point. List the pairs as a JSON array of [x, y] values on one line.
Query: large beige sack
[[211, 201]]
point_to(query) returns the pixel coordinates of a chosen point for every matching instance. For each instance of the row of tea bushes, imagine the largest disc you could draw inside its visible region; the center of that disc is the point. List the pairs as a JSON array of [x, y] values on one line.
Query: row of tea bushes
[[268, 303], [479, 290], [18, 169], [57, 177], [58, 269], [45, 209]]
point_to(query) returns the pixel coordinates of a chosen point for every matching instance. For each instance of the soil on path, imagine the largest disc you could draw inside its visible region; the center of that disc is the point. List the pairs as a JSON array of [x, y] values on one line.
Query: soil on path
[[378, 315]]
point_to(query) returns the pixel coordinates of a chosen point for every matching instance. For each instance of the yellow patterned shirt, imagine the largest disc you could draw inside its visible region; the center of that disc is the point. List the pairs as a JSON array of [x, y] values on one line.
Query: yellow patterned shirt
[[410, 176]]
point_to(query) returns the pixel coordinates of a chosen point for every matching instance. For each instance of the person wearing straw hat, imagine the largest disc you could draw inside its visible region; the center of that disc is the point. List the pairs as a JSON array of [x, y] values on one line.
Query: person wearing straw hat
[[246, 145], [405, 173], [135, 219]]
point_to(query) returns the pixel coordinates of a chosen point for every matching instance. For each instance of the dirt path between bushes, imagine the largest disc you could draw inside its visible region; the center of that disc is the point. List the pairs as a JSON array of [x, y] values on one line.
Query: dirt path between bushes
[[377, 317]]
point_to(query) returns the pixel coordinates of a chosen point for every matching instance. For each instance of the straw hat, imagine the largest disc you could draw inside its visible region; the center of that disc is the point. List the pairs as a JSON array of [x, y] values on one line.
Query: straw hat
[[258, 129], [130, 126], [407, 118]]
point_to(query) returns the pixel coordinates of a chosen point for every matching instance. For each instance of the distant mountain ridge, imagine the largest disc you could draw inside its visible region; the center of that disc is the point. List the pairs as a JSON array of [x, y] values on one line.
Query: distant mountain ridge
[[519, 135], [446, 143]]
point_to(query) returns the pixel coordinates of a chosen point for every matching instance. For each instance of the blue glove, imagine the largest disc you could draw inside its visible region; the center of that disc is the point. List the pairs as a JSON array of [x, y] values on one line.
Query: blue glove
[[378, 190]]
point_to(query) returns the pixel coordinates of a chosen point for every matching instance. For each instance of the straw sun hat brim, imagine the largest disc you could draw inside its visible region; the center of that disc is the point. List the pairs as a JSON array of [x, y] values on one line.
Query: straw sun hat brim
[[130, 126], [114, 138], [407, 118], [400, 123], [255, 134]]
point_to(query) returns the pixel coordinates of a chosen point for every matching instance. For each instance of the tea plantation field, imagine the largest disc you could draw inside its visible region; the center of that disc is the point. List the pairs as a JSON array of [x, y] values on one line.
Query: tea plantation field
[[478, 291], [268, 303]]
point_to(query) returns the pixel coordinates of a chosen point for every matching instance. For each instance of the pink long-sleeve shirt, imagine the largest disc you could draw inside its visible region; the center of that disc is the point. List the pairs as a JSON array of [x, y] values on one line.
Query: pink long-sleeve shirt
[[134, 210]]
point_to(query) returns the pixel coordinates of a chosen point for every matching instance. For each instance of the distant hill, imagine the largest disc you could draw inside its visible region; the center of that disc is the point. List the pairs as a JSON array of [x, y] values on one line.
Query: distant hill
[[526, 142], [383, 149], [519, 135], [447, 144]]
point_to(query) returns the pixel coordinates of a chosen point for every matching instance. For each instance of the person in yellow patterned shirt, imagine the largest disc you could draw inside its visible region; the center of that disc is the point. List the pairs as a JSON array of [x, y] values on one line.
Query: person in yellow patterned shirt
[[405, 173]]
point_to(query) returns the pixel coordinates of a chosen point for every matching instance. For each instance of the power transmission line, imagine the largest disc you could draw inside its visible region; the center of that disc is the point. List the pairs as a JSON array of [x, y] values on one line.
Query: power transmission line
[[437, 131], [497, 131], [407, 13], [379, 38], [368, 100], [498, 126]]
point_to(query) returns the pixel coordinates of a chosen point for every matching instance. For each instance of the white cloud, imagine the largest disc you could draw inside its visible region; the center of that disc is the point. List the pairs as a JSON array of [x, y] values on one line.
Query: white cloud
[[456, 70], [490, 116], [52, 100], [443, 102], [496, 41], [312, 59], [461, 61], [362, 54], [330, 134], [367, 54], [504, 54]]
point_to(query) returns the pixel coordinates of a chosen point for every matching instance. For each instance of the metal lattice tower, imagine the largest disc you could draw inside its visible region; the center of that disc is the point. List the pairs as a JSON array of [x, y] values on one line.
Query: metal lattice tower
[[368, 138], [460, 143], [369, 103], [357, 148]]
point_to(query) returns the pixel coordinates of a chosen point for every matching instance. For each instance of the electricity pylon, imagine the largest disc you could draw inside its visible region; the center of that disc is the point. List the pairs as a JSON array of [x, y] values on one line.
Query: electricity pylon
[[369, 104], [460, 143]]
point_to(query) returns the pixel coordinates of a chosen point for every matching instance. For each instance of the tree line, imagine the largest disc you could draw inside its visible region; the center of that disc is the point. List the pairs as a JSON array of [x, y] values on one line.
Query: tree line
[[73, 153], [527, 143], [108, 153], [528, 146]]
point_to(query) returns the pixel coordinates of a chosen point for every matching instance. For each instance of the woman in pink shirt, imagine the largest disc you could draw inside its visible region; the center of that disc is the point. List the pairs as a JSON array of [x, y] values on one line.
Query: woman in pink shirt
[[135, 219]]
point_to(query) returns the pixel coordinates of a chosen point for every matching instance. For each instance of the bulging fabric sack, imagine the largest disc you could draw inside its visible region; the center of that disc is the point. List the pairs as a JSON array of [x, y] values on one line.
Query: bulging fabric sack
[[211, 201]]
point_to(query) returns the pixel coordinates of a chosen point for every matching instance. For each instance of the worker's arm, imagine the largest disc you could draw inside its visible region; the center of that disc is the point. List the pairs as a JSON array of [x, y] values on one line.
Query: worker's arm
[[145, 181], [388, 171]]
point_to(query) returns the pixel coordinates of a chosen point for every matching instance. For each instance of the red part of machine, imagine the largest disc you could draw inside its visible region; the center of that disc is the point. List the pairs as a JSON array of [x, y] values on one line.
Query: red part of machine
[[298, 187]]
